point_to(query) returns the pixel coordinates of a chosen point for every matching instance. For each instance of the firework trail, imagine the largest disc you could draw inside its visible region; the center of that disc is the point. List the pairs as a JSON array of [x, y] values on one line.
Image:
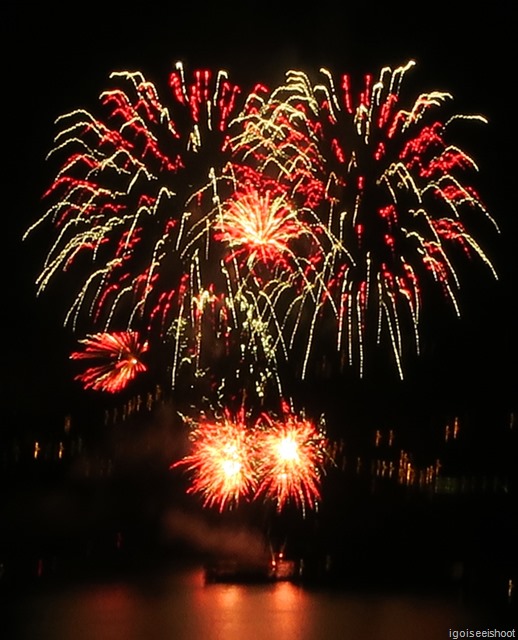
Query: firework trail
[[384, 193], [119, 355]]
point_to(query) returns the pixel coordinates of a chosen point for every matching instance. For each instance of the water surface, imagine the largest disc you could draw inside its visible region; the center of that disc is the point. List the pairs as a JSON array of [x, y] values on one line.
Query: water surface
[[179, 606]]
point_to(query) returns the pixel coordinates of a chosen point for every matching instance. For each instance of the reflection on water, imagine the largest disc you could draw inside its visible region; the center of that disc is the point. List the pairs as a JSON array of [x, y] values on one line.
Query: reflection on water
[[181, 607]]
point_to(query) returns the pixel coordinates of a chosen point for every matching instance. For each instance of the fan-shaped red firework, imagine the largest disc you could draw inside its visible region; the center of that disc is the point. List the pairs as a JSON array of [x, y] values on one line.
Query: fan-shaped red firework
[[290, 460], [220, 461], [119, 355], [260, 227], [389, 192]]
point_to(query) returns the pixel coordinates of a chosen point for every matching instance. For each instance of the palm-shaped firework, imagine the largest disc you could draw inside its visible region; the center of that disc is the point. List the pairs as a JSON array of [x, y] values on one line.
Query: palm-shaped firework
[[385, 196], [135, 208]]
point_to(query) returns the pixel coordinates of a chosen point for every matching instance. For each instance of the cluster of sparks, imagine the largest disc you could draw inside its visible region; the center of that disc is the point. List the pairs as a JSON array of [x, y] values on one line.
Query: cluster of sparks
[[276, 459]]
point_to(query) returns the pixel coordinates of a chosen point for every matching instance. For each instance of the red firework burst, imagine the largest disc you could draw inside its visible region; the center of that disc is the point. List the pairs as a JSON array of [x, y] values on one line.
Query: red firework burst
[[278, 459], [119, 355], [290, 461], [311, 213], [221, 461], [262, 228]]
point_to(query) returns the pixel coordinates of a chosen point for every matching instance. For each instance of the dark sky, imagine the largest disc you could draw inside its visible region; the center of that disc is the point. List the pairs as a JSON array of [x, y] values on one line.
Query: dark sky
[[55, 60]]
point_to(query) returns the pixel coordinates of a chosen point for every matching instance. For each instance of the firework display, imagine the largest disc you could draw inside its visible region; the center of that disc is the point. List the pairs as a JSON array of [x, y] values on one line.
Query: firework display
[[221, 221], [239, 231], [134, 200], [119, 360], [384, 191], [273, 459], [262, 228]]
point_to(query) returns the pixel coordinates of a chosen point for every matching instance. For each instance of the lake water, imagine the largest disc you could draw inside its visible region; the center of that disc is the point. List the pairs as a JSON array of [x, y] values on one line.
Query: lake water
[[178, 605]]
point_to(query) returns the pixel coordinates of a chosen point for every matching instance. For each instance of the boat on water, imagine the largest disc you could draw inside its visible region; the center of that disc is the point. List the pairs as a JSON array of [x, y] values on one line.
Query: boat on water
[[232, 570]]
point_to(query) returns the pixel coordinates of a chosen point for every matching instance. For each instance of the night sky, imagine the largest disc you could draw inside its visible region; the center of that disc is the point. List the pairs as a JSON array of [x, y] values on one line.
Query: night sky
[[54, 61]]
